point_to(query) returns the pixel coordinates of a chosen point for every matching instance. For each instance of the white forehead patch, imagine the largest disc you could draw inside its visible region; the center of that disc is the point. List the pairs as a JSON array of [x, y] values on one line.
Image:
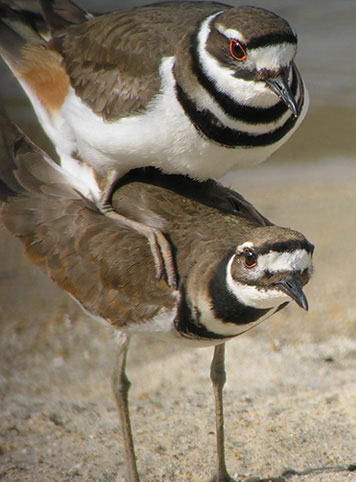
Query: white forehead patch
[[272, 57], [274, 262]]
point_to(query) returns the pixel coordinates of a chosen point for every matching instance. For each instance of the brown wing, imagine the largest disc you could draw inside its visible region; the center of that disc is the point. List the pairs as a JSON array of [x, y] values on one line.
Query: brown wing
[[107, 269], [207, 193], [113, 60]]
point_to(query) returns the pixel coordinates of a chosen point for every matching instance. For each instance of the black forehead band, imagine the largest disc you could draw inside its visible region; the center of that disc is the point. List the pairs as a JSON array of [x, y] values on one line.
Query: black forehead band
[[285, 246], [271, 39]]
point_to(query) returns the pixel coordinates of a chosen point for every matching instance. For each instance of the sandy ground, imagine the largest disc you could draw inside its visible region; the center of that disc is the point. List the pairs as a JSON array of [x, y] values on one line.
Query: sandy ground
[[290, 400]]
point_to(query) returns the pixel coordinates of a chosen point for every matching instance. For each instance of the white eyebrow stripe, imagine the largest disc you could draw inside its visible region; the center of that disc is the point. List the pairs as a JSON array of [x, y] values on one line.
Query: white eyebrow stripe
[[274, 262], [231, 33]]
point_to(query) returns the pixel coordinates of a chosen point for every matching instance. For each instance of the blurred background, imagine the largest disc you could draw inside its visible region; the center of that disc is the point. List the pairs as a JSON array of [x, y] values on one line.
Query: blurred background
[[51, 355]]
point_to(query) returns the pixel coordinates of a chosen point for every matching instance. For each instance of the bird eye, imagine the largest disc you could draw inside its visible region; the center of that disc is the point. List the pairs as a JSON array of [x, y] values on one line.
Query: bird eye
[[237, 51], [250, 259]]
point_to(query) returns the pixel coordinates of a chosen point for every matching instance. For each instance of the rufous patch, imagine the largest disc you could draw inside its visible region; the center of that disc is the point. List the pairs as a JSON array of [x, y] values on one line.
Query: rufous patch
[[42, 70]]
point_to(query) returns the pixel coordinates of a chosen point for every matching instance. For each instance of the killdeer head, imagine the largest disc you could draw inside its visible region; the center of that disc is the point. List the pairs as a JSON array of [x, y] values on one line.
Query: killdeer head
[[266, 271], [271, 268], [247, 54]]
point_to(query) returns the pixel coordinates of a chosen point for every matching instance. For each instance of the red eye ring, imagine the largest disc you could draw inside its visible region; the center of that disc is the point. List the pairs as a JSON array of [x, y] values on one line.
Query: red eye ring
[[237, 51], [250, 259]]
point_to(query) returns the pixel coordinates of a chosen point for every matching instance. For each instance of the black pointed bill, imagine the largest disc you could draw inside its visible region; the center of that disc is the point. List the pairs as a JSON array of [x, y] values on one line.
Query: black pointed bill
[[280, 87], [292, 287]]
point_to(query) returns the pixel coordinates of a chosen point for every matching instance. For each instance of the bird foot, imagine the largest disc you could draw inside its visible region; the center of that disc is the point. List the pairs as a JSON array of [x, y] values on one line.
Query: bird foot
[[160, 247]]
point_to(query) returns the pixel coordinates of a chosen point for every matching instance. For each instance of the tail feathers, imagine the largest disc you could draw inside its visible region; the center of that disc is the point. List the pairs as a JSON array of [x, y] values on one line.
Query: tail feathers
[[61, 13], [26, 170], [10, 140], [15, 32], [31, 11]]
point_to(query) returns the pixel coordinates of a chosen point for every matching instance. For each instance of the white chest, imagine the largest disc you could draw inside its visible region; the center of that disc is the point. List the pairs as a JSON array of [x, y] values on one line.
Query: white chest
[[162, 136]]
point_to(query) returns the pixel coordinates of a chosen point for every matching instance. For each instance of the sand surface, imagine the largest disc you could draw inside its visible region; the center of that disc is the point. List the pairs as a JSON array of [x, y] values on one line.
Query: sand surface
[[290, 400]]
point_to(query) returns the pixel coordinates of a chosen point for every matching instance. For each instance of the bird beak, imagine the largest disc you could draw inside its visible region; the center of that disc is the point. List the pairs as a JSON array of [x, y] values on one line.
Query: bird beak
[[280, 87], [292, 287]]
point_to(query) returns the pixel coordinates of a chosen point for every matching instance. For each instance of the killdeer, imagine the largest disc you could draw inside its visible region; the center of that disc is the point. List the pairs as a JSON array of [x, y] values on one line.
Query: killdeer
[[194, 88], [235, 268]]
